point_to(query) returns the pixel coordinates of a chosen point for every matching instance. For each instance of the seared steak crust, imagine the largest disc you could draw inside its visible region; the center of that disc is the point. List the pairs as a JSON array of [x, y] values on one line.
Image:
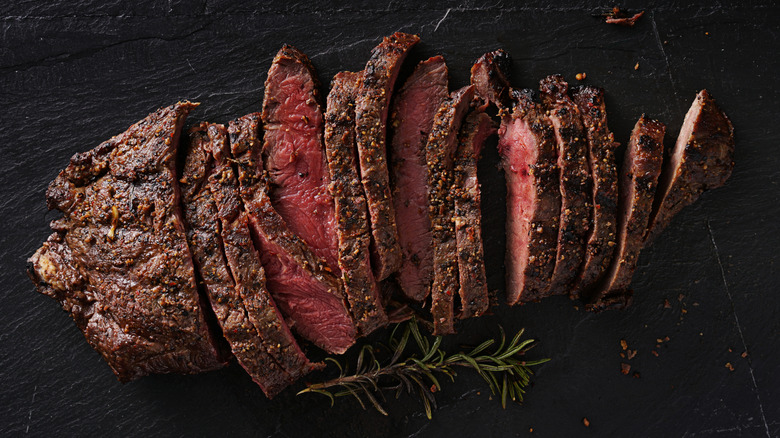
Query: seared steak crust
[[412, 118], [440, 153], [371, 108], [294, 155], [575, 183], [218, 233], [490, 77], [702, 159], [529, 156], [118, 259], [468, 214], [603, 168], [638, 181], [307, 293], [354, 235]]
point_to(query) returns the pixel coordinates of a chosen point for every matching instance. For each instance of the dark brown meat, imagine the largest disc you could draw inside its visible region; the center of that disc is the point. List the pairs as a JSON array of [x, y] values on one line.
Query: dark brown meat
[[294, 155], [575, 182], [354, 235], [468, 214], [529, 156], [307, 293], [371, 108], [440, 154], [638, 181], [218, 233], [603, 169], [702, 159], [490, 77], [412, 118], [118, 259]]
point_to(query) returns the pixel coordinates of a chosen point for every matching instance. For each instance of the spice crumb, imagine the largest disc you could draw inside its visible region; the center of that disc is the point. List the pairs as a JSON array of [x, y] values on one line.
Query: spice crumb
[[580, 76], [585, 421], [729, 366], [625, 368]]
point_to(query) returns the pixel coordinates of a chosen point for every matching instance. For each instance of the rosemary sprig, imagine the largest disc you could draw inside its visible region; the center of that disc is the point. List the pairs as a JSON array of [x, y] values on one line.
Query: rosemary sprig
[[505, 371]]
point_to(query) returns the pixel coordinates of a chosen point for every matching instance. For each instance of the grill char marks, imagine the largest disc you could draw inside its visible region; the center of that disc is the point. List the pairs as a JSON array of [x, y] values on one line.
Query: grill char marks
[[354, 235], [529, 156], [371, 110], [702, 159], [305, 291], [575, 182], [222, 247], [294, 155], [601, 156], [468, 215], [638, 181], [412, 118], [118, 259], [490, 77], [440, 153]]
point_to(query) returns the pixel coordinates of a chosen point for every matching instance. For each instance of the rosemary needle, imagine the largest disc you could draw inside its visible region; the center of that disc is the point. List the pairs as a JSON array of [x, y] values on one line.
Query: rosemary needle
[[504, 370]]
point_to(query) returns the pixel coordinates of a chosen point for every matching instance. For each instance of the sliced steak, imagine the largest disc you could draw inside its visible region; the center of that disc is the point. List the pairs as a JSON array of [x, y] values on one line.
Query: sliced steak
[[412, 118], [440, 154], [371, 108], [294, 155], [702, 159], [603, 169], [118, 259], [468, 214], [354, 234], [638, 181], [575, 182], [529, 154], [490, 77], [230, 267], [307, 293]]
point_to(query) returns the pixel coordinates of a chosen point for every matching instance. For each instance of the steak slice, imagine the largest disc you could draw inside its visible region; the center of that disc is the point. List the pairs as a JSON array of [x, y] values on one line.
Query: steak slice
[[575, 182], [603, 169], [294, 155], [490, 78], [118, 259], [702, 159], [412, 118], [307, 293], [354, 234], [440, 154], [529, 154], [229, 266], [638, 181], [473, 290], [371, 108]]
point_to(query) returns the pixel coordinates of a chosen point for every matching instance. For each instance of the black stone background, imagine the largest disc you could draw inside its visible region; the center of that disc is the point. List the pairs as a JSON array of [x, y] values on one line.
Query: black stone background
[[75, 73]]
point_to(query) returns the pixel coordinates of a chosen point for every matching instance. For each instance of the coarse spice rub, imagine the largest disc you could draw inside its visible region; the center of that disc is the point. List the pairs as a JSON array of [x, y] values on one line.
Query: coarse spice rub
[[371, 108], [354, 235]]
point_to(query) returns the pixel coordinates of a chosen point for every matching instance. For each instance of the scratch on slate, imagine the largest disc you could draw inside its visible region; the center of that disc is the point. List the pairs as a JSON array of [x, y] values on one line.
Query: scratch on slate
[[442, 19], [739, 327], [190, 64], [29, 414], [666, 59]]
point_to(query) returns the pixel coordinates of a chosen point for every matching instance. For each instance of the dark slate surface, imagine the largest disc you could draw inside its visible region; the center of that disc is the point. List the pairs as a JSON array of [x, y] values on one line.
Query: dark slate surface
[[75, 73]]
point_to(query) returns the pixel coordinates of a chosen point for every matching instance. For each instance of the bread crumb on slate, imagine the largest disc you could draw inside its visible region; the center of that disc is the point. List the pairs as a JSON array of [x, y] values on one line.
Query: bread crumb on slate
[[631, 354], [585, 421], [623, 344], [744, 354], [667, 304], [581, 76], [655, 353], [636, 67], [636, 374], [729, 366], [625, 368]]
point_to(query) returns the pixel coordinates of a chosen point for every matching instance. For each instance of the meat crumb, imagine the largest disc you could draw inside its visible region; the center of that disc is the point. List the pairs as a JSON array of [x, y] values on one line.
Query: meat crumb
[[625, 368], [729, 366], [585, 421]]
